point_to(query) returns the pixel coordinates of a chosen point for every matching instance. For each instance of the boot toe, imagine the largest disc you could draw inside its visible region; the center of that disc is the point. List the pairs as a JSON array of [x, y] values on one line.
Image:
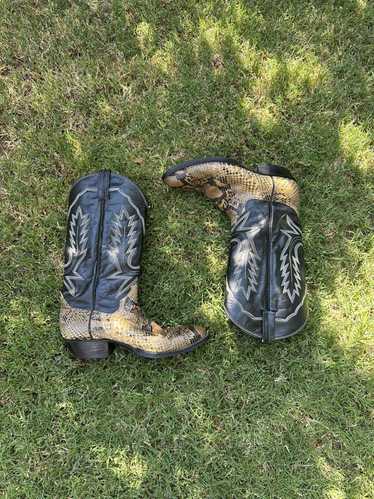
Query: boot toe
[[172, 180], [200, 332]]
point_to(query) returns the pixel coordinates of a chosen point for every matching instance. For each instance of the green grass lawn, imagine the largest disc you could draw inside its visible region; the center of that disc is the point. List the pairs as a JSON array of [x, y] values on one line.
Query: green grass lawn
[[136, 86]]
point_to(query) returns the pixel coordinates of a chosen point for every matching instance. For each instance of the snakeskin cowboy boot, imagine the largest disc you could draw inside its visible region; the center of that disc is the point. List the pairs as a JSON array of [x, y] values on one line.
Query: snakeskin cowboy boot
[[265, 287], [102, 264]]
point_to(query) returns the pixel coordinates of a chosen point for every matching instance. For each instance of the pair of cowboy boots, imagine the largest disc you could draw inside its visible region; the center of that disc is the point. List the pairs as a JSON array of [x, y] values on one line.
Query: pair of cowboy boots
[[265, 287]]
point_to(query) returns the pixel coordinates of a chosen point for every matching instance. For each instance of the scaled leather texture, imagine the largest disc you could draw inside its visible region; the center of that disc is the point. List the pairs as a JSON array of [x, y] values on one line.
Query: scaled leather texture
[[265, 285]]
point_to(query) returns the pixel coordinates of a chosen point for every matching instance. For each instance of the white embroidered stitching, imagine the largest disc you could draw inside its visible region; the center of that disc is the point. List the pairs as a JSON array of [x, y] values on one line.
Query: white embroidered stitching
[[77, 250], [290, 263], [247, 252], [121, 231]]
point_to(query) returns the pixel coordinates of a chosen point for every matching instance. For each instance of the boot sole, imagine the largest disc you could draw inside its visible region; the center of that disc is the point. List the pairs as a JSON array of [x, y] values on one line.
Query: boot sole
[[264, 169], [101, 349], [199, 161]]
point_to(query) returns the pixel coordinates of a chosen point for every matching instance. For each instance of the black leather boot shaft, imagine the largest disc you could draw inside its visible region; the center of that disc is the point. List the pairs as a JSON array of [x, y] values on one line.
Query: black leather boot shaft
[[104, 239], [265, 288]]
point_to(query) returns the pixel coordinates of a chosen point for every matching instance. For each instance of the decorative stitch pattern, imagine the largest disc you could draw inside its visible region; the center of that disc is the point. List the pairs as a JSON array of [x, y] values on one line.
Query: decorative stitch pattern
[[290, 263], [77, 250], [122, 247]]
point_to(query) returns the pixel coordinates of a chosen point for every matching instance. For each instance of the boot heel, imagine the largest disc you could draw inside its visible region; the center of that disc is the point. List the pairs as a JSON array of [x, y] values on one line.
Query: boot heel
[[90, 350]]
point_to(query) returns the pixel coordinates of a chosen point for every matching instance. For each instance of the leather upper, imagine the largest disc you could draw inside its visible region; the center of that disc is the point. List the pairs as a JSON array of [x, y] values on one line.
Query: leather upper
[[259, 280], [104, 238]]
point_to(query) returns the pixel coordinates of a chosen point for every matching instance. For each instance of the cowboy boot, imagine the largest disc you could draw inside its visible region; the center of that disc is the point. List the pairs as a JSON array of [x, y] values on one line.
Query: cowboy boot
[[265, 287], [102, 264]]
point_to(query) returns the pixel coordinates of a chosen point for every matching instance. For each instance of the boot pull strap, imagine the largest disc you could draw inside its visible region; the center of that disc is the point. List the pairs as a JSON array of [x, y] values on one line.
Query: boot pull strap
[[273, 170], [268, 326], [104, 184]]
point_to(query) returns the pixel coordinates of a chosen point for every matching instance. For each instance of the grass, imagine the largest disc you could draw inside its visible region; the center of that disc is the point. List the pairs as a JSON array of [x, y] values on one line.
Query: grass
[[136, 86]]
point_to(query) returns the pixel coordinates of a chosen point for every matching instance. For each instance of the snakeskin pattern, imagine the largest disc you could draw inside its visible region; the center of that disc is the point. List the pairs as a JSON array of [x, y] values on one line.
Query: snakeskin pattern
[[230, 186], [73, 322], [127, 326]]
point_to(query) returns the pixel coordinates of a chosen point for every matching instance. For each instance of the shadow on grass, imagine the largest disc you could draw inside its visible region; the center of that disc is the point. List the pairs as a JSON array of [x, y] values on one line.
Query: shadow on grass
[[236, 418]]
